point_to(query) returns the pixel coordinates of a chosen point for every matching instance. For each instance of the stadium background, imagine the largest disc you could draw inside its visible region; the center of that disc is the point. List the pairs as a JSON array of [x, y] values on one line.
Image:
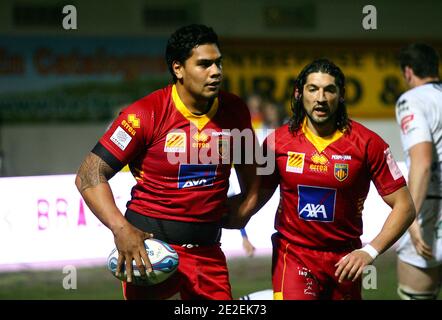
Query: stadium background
[[60, 88]]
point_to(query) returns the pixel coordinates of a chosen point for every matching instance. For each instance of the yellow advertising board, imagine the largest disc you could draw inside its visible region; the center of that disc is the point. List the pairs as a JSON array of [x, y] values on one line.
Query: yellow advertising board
[[269, 68]]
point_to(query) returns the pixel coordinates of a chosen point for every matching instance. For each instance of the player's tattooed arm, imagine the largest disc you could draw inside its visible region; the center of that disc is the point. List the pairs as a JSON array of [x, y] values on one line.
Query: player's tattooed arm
[[92, 182], [93, 171]]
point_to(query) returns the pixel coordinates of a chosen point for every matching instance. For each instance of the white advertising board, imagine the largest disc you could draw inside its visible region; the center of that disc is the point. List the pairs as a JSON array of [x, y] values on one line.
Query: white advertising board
[[44, 223]]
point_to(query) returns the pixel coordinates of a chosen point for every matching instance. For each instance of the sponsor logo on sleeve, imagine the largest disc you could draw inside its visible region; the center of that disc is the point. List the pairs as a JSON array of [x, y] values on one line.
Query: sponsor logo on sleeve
[[392, 165], [402, 107], [316, 203], [405, 123], [131, 123], [121, 138], [196, 175], [341, 171], [175, 142], [128, 127], [133, 120], [295, 162]]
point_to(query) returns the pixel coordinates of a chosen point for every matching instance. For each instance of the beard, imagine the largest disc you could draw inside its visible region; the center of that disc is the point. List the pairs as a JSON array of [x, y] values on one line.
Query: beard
[[325, 120]]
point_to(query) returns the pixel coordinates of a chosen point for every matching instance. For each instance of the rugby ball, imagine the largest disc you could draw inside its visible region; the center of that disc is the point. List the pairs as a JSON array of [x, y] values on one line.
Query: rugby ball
[[163, 258]]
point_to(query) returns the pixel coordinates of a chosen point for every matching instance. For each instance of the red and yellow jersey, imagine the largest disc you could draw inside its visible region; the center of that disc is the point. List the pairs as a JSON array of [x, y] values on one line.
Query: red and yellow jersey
[[181, 161], [324, 183]]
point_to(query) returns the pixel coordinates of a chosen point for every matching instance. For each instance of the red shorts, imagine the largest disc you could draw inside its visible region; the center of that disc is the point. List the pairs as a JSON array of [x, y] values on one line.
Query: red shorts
[[202, 274], [300, 273]]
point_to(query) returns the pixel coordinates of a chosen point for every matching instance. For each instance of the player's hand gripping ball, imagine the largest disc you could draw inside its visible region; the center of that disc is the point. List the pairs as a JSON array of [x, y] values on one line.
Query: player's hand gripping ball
[[163, 258]]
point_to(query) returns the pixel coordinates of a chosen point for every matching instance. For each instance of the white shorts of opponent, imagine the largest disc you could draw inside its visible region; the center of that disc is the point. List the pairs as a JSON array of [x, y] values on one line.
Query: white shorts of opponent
[[259, 295], [430, 219]]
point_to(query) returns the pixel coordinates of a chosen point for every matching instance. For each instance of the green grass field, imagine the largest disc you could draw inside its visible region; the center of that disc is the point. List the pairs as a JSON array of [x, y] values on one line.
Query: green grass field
[[246, 274]]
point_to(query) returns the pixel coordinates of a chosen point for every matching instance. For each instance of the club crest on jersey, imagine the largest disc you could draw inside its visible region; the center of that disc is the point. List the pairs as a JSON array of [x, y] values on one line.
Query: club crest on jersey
[[175, 142], [320, 163], [196, 175], [316, 203], [341, 171], [295, 162]]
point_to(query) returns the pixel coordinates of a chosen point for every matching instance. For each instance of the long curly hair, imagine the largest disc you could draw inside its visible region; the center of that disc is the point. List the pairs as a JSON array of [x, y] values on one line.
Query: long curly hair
[[297, 106]]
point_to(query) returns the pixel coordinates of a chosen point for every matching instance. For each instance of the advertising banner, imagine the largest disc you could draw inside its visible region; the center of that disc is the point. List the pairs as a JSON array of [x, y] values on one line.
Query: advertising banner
[[44, 222]]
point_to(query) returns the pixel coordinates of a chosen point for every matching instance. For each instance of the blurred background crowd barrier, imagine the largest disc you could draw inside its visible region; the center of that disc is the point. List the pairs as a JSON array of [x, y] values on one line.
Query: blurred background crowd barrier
[[59, 88]]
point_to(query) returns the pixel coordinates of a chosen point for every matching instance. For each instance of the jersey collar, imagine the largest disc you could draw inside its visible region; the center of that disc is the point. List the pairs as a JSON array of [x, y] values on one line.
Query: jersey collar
[[198, 121], [320, 143]]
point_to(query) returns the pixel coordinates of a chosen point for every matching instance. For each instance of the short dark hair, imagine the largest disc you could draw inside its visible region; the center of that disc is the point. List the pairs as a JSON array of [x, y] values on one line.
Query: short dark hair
[[423, 59], [182, 41], [297, 106]]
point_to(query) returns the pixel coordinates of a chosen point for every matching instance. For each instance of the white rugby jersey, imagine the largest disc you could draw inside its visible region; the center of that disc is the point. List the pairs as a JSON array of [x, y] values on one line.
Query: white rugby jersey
[[419, 115]]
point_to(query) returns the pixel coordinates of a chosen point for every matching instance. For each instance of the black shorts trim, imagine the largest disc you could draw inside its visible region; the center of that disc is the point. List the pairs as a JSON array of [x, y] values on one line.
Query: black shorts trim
[[107, 157], [177, 232]]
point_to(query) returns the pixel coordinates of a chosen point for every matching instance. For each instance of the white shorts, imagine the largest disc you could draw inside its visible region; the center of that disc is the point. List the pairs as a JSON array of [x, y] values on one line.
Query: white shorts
[[259, 295], [430, 220]]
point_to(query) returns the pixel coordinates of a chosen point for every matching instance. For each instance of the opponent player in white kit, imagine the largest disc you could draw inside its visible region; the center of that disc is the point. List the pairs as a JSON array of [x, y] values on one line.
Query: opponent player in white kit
[[419, 114]]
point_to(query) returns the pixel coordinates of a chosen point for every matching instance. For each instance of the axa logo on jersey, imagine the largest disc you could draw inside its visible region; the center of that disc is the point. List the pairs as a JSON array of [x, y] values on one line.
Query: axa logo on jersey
[[195, 182], [311, 210], [316, 203], [196, 175]]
